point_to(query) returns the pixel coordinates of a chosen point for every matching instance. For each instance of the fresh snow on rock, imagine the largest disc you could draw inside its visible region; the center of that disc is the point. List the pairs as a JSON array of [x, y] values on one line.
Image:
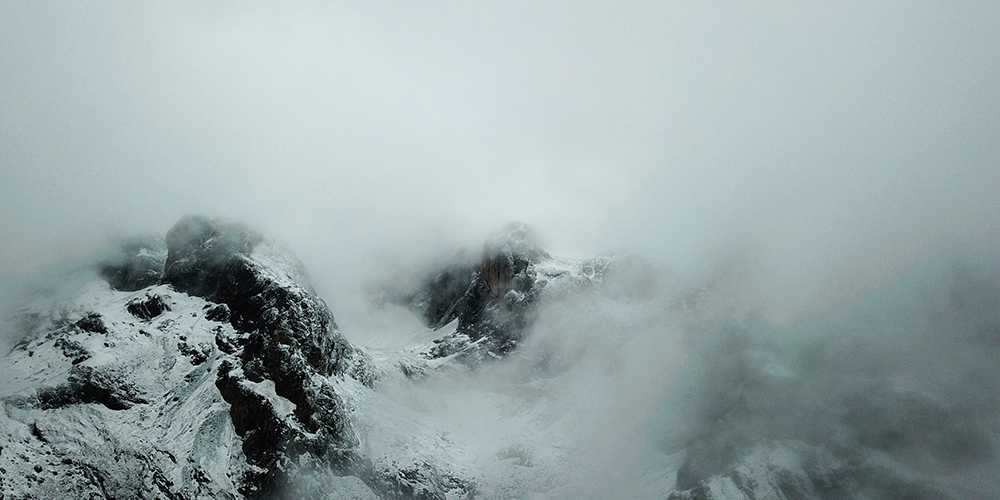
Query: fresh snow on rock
[[174, 436], [522, 376]]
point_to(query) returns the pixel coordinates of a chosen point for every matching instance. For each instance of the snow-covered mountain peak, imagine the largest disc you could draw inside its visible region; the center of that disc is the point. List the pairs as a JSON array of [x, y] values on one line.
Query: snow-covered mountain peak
[[204, 365]]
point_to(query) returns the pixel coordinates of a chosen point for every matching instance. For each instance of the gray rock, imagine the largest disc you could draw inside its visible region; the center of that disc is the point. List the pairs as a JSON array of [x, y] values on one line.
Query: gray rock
[[137, 264], [290, 337], [199, 248], [147, 307]]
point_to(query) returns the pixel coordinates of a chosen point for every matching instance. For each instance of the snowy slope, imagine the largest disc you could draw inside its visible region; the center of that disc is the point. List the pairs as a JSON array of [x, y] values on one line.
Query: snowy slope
[[155, 425]]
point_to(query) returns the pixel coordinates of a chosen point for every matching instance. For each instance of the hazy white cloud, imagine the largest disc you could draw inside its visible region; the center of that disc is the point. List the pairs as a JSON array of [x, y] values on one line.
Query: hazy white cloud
[[819, 139]]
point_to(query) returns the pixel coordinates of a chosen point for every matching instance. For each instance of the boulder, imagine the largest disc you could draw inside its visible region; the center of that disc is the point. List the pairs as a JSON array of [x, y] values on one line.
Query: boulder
[[92, 323], [219, 313], [147, 307]]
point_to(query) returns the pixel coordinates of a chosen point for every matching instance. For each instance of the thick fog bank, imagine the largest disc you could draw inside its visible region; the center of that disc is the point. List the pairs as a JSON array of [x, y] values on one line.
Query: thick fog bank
[[653, 380], [813, 135]]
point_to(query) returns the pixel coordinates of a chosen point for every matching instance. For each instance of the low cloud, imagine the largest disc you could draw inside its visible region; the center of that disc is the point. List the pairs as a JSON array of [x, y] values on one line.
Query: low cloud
[[794, 162]]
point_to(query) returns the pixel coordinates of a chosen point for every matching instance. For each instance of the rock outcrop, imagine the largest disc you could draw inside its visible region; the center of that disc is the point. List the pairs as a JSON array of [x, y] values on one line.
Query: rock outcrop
[[200, 248], [493, 300], [212, 362], [285, 336], [147, 307], [500, 303], [137, 264]]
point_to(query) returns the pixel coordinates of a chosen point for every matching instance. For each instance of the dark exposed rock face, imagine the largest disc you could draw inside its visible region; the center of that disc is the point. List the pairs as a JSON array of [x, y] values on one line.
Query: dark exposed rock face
[[89, 385], [73, 350], [493, 300], [197, 353], [438, 297], [198, 250], [147, 307], [266, 436], [92, 323], [281, 315], [137, 264], [287, 336], [499, 305], [219, 312]]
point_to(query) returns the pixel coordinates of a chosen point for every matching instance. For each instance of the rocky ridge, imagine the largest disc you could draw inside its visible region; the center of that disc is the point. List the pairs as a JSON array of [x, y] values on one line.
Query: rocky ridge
[[105, 404], [219, 373], [285, 337], [818, 425], [495, 301], [213, 375]]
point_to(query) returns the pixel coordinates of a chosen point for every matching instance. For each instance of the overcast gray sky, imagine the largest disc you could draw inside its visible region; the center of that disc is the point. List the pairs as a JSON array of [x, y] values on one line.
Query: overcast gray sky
[[828, 141]]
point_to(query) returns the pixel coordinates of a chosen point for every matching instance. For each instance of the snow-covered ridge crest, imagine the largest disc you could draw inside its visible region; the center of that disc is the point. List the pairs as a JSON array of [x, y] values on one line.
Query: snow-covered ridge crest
[[233, 351], [210, 337], [286, 335], [227, 377]]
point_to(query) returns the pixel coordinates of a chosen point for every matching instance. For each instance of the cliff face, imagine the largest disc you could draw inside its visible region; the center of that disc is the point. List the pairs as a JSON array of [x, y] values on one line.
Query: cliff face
[[203, 365], [219, 380], [495, 301], [284, 336], [500, 304], [198, 251], [112, 401]]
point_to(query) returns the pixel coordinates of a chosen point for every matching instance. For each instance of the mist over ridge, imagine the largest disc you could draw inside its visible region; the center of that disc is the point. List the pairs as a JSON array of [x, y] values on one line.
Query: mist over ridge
[[813, 136], [803, 201]]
